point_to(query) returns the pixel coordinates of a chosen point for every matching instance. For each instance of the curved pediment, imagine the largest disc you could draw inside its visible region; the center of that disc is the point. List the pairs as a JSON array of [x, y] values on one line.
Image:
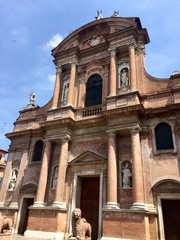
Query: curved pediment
[[29, 188], [169, 184], [88, 157], [96, 33]]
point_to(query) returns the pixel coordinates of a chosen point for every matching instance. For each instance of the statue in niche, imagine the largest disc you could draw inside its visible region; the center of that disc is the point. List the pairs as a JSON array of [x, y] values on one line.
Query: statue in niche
[[80, 227], [126, 180], [124, 77], [13, 180], [65, 91], [54, 177]]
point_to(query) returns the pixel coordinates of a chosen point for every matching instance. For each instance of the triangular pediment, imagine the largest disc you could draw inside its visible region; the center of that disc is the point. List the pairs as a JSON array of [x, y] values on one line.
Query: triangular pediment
[[88, 157]]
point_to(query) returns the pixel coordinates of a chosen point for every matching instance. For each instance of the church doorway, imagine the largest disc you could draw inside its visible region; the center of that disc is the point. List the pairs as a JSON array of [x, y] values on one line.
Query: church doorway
[[26, 203], [171, 218], [89, 202]]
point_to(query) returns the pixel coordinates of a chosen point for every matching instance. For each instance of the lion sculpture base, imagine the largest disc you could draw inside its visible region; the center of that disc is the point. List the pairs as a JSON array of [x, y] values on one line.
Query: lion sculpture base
[[5, 225], [81, 228]]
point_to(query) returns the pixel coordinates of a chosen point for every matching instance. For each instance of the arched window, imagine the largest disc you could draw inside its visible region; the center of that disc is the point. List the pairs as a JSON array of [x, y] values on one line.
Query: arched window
[[163, 136], [93, 91], [37, 153]]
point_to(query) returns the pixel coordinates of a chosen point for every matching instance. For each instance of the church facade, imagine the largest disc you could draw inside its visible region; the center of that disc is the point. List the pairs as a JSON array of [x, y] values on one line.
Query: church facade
[[107, 142]]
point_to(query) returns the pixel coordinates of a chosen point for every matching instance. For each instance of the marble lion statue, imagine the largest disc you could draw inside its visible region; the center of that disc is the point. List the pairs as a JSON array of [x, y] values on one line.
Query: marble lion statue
[[5, 224], [80, 227]]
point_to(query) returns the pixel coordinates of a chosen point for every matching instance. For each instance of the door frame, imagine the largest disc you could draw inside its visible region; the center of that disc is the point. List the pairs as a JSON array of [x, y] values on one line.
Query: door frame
[[160, 197], [74, 195], [24, 196]]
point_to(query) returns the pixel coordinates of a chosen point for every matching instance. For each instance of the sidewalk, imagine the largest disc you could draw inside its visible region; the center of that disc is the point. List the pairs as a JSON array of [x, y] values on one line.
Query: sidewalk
[[20, 237]]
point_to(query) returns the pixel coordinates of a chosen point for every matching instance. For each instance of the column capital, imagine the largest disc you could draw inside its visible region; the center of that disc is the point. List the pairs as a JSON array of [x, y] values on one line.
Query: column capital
[[111, 132], [112, 51], [58, 69], [141, 48], [66, 139], [132, 45], [73, 64], [135, 129]]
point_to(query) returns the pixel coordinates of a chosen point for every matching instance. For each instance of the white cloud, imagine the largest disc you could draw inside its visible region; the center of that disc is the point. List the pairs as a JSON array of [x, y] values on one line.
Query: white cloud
[[52, 78], [56, 39]]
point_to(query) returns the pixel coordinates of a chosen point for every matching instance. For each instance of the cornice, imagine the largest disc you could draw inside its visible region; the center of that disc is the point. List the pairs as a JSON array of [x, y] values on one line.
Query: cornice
[[137, 108]]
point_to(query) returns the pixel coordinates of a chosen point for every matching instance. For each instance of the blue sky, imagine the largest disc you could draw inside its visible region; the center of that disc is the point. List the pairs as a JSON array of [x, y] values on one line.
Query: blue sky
[[29, 29]]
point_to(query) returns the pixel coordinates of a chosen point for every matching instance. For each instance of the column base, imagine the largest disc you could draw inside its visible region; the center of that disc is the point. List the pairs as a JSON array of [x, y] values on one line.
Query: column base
[[57, 204], [6, 236], [38, 204], [138, 206], [53, 107], [14, 205], [45, 235], [112, 205], [151, 208]]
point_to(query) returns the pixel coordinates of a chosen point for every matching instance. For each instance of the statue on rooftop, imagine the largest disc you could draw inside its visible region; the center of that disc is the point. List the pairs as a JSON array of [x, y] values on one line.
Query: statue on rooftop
[[115, 14], [99, 15], [32, 98]]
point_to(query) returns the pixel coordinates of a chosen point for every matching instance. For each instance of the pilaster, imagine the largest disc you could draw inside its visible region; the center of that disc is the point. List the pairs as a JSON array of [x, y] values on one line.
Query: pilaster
[[82, 88], [23, 164], [59, 197], [132, 66], [138, 186], [112, 172], [43, 176], [6, 179], [57, 87], [72, 84], [113, 72]]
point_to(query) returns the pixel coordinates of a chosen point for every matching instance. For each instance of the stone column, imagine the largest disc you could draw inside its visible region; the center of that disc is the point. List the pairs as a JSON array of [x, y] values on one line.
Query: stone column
[[72, 84], [57, 87], [112, 172], [113, 72], [132, 61], [137, 174], [59, 197], [43, 176]]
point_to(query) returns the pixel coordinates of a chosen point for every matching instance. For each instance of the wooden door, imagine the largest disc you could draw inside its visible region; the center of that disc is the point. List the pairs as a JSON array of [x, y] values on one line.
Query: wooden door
[[171, 218], [25, 214], [90, 202]]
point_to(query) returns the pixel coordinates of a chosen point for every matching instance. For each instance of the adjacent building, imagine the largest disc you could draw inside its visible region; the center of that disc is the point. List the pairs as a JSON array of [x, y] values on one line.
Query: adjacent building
[[2, 164], [107, 142]]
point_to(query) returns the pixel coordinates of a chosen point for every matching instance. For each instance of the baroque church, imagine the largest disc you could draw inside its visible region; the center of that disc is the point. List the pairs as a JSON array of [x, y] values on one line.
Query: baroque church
[[108, 142]]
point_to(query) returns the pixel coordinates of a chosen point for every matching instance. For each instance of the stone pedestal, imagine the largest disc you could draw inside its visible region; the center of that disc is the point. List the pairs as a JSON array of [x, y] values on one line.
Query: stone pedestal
[[6, 236]]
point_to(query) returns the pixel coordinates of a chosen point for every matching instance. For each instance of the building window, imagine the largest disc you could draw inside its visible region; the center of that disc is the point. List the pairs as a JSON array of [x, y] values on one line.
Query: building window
[[163, 136], [93, 91], [37, 153]]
